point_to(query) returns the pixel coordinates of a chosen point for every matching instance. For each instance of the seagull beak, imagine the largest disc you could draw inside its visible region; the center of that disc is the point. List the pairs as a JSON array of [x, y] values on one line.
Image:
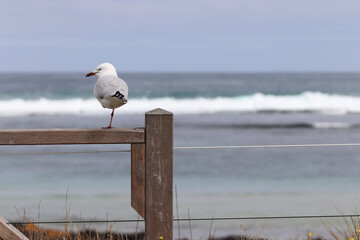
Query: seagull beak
[[90, 74]]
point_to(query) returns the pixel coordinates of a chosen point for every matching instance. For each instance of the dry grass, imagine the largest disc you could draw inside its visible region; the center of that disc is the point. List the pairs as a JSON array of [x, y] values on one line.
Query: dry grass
[[347, 229], [71, 231], [35, 233]]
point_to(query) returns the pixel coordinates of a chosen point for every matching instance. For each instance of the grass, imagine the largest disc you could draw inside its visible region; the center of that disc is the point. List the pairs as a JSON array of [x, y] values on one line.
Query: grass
[[71, 231], [35, 233], [349, 230], [345, 229]]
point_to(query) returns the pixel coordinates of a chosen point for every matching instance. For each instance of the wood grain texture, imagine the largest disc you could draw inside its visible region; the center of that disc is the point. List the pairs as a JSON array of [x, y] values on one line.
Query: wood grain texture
[[159, 175], [138, 178], [9, 232], [72, 136]]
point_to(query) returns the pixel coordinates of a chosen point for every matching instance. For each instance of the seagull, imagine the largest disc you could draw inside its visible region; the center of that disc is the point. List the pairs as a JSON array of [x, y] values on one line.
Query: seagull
[[109, 89]]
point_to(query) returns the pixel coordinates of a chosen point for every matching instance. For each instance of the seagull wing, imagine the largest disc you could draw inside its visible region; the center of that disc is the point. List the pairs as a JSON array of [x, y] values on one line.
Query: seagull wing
[[111, 86]]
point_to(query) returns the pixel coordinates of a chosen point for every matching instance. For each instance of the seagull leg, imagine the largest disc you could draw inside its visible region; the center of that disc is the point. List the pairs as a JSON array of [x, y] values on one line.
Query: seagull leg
[[112, 115]]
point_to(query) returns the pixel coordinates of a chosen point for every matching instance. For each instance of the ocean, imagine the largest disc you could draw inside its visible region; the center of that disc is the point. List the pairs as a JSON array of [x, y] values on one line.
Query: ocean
[[210, 109]]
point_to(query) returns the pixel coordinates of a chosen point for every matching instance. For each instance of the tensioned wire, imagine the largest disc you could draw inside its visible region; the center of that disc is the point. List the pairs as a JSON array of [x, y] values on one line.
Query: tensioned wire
[[201, 147], [76, 152], [192, 219]]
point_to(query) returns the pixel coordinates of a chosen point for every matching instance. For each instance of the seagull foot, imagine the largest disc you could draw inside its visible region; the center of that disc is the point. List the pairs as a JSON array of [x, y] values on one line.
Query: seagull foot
[[108, 127]]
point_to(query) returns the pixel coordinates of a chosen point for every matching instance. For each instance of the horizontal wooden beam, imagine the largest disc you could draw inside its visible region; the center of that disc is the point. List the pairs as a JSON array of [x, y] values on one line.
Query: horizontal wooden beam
[[72, 136]]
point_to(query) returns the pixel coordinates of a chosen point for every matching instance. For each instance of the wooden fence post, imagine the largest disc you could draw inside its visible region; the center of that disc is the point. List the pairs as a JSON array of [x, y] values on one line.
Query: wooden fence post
[[9, 232], [138, 178], [159, 175]]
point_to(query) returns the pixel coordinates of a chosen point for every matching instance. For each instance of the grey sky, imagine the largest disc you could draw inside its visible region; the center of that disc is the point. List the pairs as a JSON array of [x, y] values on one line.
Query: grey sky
[[169, 35]]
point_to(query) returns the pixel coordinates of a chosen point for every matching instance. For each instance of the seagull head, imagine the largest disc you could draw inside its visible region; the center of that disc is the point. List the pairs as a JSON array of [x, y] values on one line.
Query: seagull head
[[102, 70]]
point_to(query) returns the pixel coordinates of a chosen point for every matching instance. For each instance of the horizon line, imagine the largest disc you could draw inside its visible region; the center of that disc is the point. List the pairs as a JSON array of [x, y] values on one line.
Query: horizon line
[[192, 72]]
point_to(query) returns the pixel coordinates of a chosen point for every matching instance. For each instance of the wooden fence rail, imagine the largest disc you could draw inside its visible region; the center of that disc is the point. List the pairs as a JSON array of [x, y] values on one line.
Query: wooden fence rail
[[151, 165]]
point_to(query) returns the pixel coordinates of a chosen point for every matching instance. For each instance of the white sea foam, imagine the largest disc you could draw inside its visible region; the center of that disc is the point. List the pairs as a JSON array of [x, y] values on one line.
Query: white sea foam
[[326, 125], [307, 101]]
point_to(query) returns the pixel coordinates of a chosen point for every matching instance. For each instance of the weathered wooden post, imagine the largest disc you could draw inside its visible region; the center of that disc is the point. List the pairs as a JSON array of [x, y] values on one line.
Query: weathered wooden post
[[152, 175], [159, 175]]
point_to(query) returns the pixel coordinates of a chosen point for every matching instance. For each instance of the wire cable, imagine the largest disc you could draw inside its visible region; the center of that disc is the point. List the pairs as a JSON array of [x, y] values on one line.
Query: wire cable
[[49, 153], [193, 219], [199, 148], [273, 146]]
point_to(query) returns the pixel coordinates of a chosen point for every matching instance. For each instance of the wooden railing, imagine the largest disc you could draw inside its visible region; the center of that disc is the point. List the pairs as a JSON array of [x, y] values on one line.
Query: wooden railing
[[151, 165]]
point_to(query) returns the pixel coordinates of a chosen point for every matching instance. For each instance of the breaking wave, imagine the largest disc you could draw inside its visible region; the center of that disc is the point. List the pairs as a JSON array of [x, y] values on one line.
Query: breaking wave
[[316, 125], [258, 102]]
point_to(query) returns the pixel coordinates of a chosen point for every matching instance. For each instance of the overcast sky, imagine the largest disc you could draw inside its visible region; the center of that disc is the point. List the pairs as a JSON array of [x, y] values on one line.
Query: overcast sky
[[189, 35]]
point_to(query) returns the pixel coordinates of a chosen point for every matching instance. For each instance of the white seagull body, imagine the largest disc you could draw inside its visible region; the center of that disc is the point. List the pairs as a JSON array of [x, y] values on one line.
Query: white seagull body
[[110, 90]]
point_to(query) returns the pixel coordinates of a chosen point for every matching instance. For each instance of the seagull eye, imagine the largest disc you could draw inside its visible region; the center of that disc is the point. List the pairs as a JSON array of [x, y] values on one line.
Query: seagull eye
[[99, 69]]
